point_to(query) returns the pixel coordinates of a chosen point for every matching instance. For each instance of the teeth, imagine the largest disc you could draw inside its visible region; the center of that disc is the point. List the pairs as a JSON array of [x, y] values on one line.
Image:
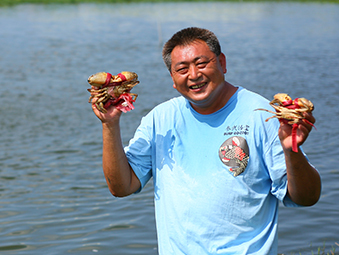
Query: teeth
[[198, 86]]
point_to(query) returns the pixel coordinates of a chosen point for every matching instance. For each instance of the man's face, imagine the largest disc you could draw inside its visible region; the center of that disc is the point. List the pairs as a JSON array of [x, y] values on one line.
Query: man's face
[[198, 74]]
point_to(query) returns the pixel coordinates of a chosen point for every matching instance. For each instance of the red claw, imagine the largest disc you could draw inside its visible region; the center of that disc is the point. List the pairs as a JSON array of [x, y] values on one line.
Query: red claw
[[294, 137], [287, 102]]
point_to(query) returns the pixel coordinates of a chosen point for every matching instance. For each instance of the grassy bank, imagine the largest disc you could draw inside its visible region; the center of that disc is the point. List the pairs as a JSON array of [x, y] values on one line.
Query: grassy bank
[[15, 2]]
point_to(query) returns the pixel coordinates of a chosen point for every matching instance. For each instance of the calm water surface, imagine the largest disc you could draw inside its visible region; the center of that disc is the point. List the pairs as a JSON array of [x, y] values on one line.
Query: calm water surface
[[53, 196]]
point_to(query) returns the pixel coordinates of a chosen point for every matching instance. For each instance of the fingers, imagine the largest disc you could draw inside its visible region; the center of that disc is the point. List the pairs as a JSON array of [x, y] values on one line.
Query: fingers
[[309, 121], [309, 116]]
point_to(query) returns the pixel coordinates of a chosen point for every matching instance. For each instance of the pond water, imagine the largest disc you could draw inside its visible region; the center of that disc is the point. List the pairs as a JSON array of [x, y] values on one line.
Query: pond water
[[53, 196]]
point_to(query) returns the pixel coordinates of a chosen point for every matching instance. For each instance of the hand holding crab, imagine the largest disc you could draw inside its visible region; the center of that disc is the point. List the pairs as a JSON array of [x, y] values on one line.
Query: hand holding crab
[[108, 89], [291, 112]]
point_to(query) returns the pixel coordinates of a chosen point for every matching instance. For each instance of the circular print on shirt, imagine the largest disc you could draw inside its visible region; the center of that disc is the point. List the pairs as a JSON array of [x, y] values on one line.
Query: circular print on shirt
[[234, 153]]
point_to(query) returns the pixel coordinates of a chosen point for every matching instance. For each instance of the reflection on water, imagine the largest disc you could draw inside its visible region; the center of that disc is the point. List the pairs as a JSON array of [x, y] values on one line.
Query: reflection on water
[[54, 198]]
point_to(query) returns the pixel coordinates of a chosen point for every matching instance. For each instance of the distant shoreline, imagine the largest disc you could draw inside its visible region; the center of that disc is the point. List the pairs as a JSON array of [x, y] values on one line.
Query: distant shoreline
[[16, 2]]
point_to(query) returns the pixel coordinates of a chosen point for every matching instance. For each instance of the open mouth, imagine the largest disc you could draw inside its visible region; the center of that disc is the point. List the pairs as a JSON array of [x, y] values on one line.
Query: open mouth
[[198, 86]]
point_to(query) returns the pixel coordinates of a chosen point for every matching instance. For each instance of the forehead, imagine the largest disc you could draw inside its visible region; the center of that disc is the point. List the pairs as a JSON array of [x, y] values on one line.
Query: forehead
[[190, 52]]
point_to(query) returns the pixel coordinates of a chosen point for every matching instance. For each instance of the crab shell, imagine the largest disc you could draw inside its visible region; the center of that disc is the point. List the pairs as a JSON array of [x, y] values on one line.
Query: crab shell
[[305, 104], [282, 99], [100, 79]]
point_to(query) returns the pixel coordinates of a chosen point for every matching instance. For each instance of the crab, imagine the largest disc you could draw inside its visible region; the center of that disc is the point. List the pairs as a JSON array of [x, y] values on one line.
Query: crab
[[108, 89], [290, 111]]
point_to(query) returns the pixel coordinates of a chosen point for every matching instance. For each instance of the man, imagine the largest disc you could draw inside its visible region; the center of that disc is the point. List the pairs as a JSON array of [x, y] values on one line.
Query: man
[[218, 168]]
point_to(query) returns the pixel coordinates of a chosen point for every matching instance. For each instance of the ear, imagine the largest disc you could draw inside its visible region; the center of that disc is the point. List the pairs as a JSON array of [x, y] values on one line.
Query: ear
[[222, 61], [174, 86]]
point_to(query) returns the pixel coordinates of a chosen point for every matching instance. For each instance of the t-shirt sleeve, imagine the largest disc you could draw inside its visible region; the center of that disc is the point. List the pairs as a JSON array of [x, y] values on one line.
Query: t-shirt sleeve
[[139, 152]]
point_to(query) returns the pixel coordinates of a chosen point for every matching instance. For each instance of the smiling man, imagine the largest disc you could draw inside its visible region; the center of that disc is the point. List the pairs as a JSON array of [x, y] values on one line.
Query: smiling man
[[198, 75], [219, 170]]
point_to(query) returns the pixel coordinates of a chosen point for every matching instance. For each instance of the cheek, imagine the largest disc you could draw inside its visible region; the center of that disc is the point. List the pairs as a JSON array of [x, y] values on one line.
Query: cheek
[[177, 81]]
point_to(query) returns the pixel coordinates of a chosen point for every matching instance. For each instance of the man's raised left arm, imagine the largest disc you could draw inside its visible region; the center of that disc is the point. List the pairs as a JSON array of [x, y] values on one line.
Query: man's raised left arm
[[304, 183]]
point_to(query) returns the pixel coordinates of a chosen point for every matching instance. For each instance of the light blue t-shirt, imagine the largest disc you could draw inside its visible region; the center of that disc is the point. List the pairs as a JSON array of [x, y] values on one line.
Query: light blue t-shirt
[[217, 178]]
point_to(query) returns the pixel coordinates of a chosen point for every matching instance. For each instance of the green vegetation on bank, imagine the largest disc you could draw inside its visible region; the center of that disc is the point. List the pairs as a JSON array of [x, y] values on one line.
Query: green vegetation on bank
[[15, 2]]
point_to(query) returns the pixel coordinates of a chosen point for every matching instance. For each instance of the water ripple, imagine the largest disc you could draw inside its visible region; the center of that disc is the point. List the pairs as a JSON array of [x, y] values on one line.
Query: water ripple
[[53, 195]]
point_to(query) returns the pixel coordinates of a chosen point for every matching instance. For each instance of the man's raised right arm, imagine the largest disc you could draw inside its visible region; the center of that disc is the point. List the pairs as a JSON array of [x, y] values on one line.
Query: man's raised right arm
[[120, 177]]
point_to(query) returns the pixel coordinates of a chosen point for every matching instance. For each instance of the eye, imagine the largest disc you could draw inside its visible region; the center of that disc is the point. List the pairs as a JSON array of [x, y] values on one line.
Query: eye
[[181, 70], [202, 64]]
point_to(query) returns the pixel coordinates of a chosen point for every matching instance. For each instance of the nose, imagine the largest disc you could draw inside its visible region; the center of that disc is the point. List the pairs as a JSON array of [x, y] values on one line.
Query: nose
[[194, 72]]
